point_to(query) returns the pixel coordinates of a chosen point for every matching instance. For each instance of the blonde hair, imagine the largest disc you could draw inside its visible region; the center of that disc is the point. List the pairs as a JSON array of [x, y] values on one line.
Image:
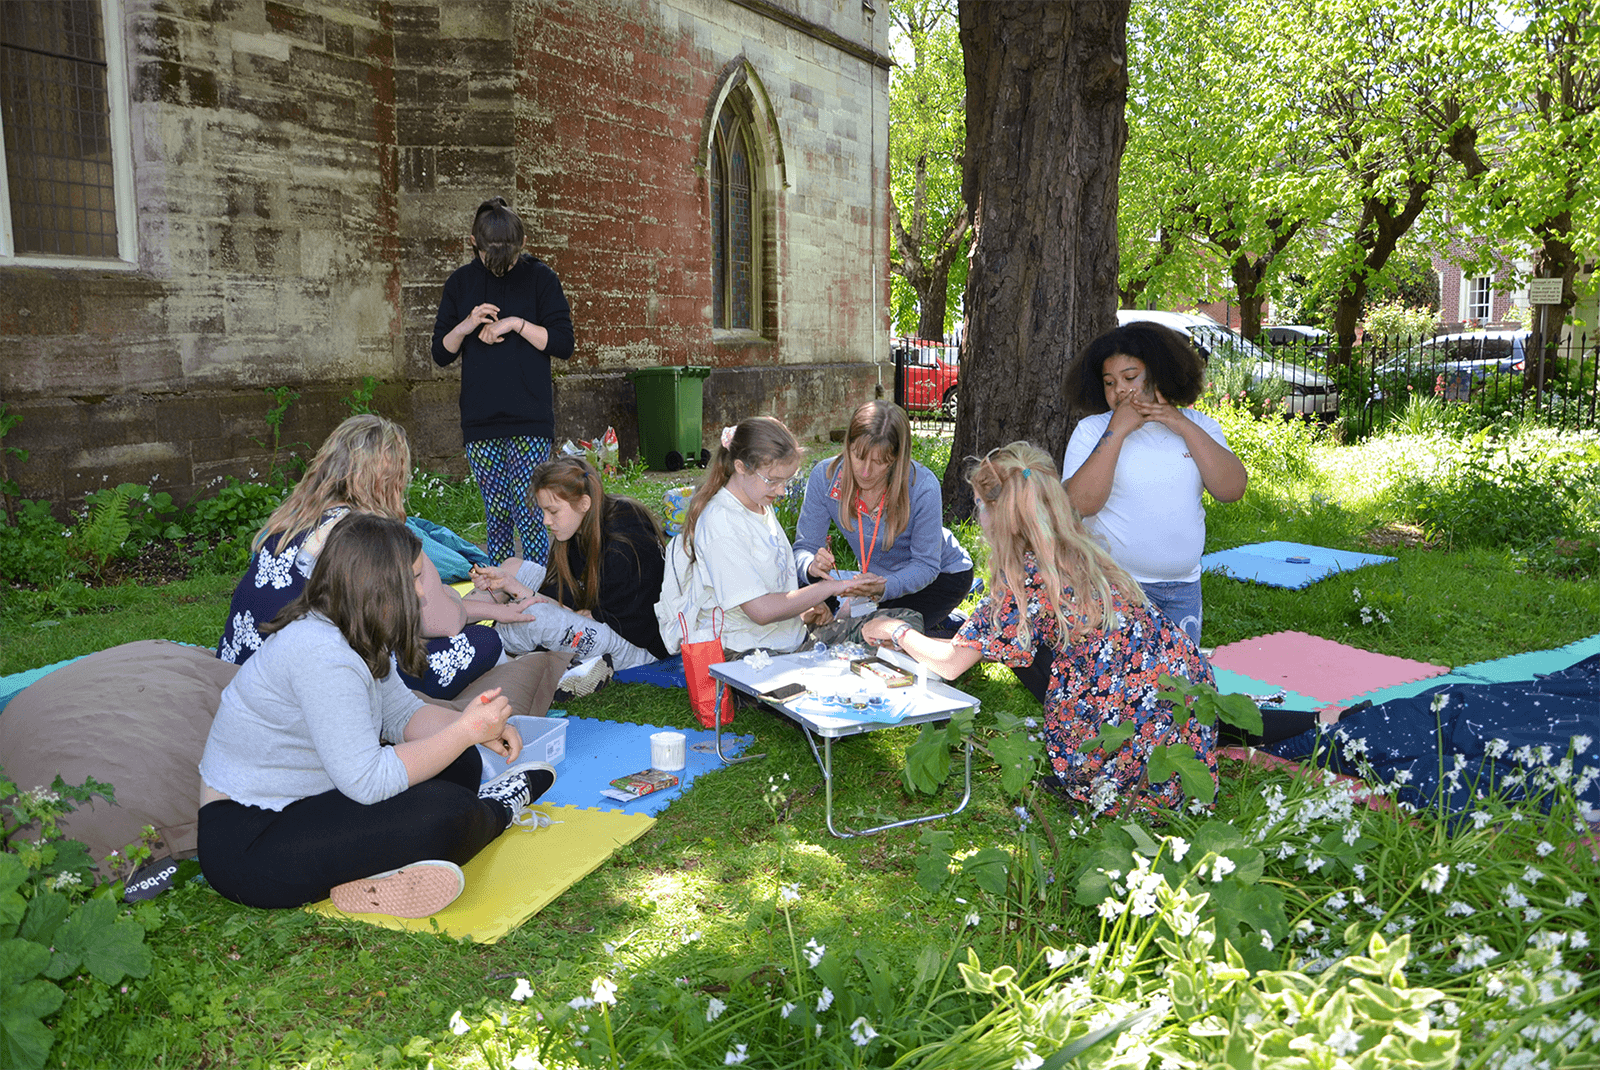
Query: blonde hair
[[757, 441], [1026, 509], [365, 464], [571, 479], [877, 425]]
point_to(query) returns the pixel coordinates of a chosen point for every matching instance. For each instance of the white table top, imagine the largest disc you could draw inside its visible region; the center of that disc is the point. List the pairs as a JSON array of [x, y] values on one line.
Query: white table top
[[910, 705]]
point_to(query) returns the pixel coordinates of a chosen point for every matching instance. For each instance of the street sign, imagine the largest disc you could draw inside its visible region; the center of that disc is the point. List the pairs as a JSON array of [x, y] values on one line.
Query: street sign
[[1544, 291]]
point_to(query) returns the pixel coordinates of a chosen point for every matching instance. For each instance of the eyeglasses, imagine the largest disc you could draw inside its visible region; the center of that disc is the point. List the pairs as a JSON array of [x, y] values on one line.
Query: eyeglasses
[[784, 483]]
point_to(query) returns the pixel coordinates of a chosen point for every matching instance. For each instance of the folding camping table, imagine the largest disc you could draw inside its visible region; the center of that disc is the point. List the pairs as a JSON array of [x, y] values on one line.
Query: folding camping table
[[935, 701]]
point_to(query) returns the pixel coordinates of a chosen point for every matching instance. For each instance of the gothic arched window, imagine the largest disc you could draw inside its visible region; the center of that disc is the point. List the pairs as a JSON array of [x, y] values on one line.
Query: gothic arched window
[[734, 219]]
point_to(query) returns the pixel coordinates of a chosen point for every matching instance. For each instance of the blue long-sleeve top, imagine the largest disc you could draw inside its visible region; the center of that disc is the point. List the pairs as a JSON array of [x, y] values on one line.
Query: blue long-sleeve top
[[921, 552]]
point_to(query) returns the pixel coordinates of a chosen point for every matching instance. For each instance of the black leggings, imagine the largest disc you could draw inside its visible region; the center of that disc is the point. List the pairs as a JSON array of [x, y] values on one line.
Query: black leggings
[[937, 599], [293, 856]]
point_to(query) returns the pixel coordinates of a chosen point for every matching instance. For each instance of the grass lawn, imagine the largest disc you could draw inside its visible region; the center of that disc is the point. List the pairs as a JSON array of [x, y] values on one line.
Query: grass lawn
[[699, 896]]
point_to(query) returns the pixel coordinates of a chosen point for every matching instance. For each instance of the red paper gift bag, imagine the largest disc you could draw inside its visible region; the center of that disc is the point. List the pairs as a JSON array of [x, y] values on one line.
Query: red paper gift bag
[[697, 661]]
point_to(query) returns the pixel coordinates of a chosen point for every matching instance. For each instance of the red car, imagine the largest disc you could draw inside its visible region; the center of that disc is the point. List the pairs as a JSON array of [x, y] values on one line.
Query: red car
[[931, 374]]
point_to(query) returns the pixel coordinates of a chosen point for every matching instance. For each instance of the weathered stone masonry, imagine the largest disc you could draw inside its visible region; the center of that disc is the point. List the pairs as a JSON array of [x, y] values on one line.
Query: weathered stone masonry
[[305, 175]]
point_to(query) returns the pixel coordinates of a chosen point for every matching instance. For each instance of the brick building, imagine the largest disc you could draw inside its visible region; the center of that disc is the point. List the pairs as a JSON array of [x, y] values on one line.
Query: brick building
[[210, 198]]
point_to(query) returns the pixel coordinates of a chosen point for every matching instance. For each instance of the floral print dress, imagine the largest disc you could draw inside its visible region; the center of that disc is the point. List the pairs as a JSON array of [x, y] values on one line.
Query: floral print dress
[[278, 575], [1101, 679]]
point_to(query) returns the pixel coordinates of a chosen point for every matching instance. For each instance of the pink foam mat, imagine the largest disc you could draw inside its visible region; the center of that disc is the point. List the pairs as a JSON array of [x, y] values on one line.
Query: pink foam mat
[[1319, 668]]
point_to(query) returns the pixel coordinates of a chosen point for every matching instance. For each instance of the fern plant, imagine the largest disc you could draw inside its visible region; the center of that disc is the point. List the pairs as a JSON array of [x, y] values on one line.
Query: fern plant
[[102, 533]]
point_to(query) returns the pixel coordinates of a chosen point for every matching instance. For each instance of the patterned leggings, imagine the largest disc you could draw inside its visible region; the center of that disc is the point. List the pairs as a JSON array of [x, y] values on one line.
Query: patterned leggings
[[503, 468]]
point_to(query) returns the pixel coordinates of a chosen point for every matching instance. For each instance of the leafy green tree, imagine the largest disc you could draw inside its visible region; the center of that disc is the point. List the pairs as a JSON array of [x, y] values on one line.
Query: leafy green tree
[[927, 139]]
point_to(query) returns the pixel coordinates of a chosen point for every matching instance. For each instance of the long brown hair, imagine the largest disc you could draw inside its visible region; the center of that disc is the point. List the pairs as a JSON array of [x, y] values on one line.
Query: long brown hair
[[757, 441], [363, 583], [877, 425], [1026, 509], [365, 463], [570, 479]]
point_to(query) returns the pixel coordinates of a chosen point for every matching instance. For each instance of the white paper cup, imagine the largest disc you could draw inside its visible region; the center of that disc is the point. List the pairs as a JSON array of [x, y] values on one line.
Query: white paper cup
[[666, 751]]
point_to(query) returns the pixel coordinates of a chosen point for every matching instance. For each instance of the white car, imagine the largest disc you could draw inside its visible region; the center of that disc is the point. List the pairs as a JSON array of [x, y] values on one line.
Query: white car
[[1310, 392], [1458, 362]]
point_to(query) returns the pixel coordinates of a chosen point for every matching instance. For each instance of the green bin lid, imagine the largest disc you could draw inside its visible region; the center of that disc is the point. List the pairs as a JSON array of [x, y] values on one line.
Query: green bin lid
[[690, 371]]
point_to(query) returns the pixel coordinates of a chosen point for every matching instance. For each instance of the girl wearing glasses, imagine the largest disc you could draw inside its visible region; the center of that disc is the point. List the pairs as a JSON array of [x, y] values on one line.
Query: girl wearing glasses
[[1053, 587], [889, 508], [733, 560], [599, 593]]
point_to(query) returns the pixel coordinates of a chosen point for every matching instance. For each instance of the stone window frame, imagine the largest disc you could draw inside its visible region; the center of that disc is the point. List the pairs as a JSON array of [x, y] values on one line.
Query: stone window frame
[[741, 94], [119, 127]]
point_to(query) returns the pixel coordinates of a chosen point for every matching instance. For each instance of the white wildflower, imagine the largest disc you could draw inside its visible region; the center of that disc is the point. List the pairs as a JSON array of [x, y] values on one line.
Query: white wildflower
[[1436, 879], [714, 1009], [1580, 744], [1532, 875], [603, 990], [814, 952], [1543, 848], [1110, 909], [789, 893], [861, 1032], [1180, 847], [738, 1054], [458, 1024], [1458, 909], [1221, 868], [1029, 1059], [1337, 901], [690, 938], [1267, 943], [522, 991], [1056, 959], [580, 1003], [525, 1061], [1344, 1040], [1575, 899], [786, 1010], [1314, 863], [971, 920], [825, 1000], [1495, 748]]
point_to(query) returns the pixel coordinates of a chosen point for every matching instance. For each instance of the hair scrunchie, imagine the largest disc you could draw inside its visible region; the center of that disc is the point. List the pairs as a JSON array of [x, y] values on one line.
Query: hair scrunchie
[[727, 436]]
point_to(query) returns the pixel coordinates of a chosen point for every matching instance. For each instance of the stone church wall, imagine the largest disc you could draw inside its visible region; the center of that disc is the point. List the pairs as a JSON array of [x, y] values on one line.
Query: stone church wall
[[305, 176]]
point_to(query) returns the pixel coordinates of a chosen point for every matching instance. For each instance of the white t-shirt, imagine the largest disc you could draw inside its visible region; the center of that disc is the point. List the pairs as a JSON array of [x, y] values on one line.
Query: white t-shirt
[[739, 555], [1152, 522]]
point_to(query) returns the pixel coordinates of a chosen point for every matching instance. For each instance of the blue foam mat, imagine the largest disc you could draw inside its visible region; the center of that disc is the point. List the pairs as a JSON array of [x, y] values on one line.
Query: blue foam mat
[[668, 672], [600, 751], [1268, 563]]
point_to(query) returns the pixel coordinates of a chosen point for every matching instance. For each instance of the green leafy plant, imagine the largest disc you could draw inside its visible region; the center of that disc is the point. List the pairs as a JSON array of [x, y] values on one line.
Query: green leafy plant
[[103, 531], [283, 399], [359, 400], [55, 923], [9, 490]]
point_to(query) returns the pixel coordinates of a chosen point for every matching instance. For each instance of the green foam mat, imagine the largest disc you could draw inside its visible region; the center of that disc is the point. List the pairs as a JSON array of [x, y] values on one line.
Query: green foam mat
[[1229, 682]]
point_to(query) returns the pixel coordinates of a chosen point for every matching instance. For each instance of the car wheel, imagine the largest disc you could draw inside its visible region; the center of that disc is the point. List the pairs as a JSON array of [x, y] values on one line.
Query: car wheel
[[948, 406]]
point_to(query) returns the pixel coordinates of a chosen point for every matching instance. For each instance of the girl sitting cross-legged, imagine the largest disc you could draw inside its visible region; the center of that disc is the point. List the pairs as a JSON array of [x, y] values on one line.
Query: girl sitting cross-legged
[[324, 775], [599, 592]]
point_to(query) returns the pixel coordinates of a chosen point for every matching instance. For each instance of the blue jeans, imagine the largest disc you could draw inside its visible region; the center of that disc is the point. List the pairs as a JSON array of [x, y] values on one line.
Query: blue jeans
[[1179, 603]]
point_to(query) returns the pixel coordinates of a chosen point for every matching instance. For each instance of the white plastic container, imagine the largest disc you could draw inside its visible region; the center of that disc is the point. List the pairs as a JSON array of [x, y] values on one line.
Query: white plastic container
[[544, 739], [667, 751]]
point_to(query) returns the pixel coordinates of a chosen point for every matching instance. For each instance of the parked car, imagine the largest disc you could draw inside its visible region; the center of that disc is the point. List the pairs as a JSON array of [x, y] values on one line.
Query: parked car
[[1464, 360], [1309, 392], [1311, 339], [932, 374]]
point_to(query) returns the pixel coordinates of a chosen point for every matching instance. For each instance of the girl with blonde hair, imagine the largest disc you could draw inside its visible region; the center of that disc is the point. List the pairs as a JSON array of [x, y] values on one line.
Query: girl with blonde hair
[[364, 466], [733, 560], [889, 509], [1053, 586], [598, 594]]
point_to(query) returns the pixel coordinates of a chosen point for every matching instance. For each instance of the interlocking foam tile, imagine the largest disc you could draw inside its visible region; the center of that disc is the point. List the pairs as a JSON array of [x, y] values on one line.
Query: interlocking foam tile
[[1268, 563], [1411, 689], [1534, 663], [600, 751], [1229, 683], [519, 873], [668, 672], [1319, 668]]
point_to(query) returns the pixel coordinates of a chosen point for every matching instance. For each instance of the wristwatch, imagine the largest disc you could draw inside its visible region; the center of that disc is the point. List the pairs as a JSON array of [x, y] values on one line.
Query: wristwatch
[[898, 632]]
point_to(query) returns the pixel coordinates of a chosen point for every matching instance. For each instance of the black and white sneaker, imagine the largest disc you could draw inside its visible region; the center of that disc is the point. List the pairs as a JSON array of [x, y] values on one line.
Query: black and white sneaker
[[584, 678], [520, 786]]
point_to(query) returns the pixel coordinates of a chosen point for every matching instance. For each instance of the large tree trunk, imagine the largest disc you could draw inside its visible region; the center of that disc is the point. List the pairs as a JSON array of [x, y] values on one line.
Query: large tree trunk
[[1046, 88], [1384, 223]]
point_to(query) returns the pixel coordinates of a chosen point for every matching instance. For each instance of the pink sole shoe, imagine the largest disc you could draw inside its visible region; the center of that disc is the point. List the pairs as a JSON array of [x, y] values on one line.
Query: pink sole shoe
[[413, 891]]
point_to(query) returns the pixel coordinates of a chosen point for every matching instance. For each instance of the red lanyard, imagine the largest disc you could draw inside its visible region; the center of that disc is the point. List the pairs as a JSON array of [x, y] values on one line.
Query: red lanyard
[[877, 525]]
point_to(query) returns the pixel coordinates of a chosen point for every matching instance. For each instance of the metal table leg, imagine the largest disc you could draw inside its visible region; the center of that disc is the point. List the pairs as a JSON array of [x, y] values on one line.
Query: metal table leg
[[825, 760], [716, 720]]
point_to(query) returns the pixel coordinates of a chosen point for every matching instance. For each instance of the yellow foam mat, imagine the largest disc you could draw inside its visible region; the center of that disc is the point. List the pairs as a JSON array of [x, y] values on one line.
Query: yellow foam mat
[[519, 873]]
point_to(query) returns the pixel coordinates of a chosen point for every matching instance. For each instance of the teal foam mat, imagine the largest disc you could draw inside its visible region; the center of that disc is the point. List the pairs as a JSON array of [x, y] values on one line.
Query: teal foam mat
[[1229, 682], [1533, 663]]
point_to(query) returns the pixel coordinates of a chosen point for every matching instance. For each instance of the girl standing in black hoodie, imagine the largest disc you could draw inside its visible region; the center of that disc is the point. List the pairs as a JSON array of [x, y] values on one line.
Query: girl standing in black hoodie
[[505, 316]]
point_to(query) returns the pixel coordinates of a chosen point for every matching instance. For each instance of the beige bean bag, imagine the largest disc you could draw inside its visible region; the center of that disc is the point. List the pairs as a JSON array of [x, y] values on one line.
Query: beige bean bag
[[136, 717]]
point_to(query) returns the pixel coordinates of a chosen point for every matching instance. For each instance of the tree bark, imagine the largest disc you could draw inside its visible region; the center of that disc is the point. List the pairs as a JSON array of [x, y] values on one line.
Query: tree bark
[[1046, 89], [1383, 224]]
